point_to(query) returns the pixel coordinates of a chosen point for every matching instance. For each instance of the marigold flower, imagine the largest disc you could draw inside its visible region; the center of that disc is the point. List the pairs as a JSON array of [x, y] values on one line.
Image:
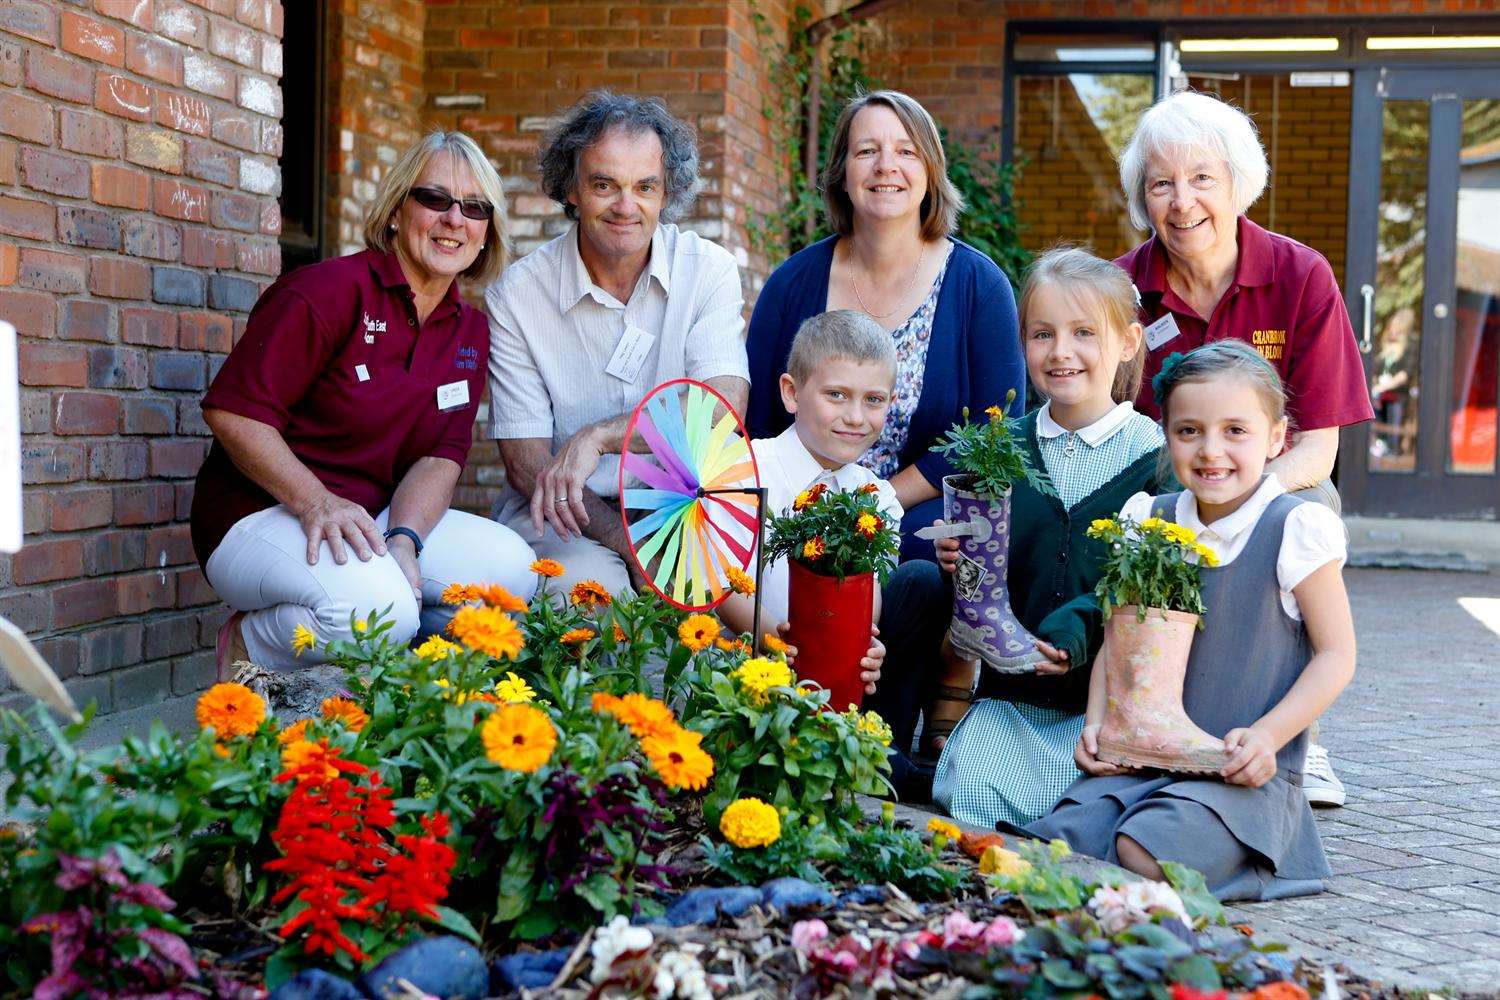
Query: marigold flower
[[644, 716], [872, 724], [435, 647], [1277, 991], [460, 593], [361, 626], [810, 496], [296, 731], [620, 635], [1206, 555], [589, 593], [774, 644], [489, 630], [937, 826], [994, 412], [514, 690], [697, 632], [230, 710], [1101, 526], [549, 568], [999, 861], [814, 548], [344, 711], [1153, 524], [868, 525], [518, 738], [679, 759], [301, 758], [303, 640], [497, 596], [576, 636], [758, 675], [868, 488], [749, 822], [739, 581], [733, 645]]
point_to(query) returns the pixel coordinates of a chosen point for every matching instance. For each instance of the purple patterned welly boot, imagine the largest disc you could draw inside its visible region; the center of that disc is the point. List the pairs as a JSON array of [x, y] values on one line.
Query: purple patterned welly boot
[[983, 624]]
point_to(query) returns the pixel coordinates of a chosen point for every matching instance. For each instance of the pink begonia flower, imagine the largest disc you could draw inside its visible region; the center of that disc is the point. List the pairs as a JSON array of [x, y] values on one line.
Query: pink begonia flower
[[959, 930], [807, 934], [1001, 931]]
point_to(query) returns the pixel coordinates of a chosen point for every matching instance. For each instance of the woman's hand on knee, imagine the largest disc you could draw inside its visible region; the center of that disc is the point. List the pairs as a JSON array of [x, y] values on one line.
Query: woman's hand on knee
[[1252, 757], [1086, 754], [337, 521]]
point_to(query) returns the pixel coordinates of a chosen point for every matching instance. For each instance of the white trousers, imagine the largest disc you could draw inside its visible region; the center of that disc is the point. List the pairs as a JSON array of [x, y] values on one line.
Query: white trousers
[[582, 558], [261, 568]]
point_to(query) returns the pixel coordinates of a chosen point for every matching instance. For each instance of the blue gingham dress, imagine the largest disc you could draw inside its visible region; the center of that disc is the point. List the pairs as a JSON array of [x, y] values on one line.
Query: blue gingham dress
[[1011, 760]]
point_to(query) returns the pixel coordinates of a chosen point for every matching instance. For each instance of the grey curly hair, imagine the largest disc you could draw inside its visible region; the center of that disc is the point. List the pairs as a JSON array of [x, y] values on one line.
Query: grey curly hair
[[587, 122]]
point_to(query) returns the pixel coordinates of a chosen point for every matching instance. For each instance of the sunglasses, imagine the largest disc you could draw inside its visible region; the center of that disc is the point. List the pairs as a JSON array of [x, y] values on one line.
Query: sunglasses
[[440, 201]]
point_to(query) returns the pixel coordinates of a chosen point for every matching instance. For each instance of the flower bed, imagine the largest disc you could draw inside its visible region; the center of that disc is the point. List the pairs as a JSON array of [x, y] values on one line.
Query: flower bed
[[544, 783]]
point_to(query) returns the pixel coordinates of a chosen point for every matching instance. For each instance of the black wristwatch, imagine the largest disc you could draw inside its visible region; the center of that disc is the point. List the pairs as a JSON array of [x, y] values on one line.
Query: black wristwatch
[[416, 539]]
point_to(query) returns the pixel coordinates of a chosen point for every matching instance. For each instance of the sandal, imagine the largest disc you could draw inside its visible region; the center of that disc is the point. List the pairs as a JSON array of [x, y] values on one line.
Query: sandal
[[229, 647], [940, 723]]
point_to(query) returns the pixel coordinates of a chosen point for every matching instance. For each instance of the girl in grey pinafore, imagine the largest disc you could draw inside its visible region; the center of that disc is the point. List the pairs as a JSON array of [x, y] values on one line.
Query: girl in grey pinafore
[[1249, 843]]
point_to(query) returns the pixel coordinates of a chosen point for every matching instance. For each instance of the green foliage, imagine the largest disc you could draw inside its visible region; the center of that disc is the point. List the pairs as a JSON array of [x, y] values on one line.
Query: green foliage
[[836, 533], [992, 453], [884, 852], [1151, 564], [803, 844], [1190, 885]]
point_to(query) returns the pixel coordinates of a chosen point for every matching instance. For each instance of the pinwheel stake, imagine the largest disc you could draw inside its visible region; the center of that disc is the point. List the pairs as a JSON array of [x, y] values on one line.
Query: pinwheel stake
[[704, 507]]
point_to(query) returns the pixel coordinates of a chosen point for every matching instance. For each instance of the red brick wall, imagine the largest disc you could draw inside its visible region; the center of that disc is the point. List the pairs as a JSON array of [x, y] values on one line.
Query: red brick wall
[[138, 181]]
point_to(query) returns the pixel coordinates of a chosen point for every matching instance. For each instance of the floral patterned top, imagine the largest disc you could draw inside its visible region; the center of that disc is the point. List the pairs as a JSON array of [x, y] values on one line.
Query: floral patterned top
[[912, 338]]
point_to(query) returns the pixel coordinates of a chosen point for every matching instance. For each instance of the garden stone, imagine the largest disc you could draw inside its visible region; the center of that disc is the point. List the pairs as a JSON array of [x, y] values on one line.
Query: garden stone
[[441, 966], [795, 893], [864, 895], [315, 984], [528, 969], [294, 694], [704, 906]]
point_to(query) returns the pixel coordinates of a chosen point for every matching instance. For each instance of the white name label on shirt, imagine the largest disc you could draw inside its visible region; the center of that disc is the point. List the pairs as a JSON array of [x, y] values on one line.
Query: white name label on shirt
[[453, 395], [1161, 331], [362, 373], [630, 354]]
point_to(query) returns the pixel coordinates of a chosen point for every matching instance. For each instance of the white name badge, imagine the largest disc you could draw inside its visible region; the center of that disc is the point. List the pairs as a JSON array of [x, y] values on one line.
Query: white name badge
[[362, 373], [1162, 331], [630, 354], [453, 396], [10, 443]]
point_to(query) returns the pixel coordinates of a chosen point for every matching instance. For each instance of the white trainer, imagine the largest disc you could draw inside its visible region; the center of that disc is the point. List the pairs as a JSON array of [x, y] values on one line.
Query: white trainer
[[1321, 786]]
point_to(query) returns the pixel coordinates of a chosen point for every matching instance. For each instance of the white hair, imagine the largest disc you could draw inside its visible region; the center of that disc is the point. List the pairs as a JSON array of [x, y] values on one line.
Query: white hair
[[1188, 123]]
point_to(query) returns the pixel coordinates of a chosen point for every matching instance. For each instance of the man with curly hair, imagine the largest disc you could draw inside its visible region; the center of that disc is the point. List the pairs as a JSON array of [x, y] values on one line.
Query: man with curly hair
[[584, 326]]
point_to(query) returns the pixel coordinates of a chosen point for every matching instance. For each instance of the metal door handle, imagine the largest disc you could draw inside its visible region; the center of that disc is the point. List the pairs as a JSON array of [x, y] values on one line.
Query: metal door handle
[[1367, 292]]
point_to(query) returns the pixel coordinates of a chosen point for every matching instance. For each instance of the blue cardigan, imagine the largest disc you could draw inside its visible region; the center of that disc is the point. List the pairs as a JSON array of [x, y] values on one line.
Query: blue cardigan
[[973, 358]]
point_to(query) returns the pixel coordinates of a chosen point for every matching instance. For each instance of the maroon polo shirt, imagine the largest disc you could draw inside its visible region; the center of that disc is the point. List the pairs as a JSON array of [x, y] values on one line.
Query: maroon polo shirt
[[1285, 303], [332, 357]]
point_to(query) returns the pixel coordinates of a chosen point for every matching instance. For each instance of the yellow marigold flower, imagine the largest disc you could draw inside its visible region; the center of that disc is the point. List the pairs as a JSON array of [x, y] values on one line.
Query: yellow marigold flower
[[296, 731], [698, 631], [497, 596], [774, 644], [814, 548], [589, 593], [300, 753], [937, 826], [1100, 525], [1206, 555], [575, 636], [459, 593], [518, 737], [868, 525], [1181, 535], [344, 711], [758, 675], [872, 723], [678, 758], [489, 630], [361, 625], [303, 640], [994, 412], [1153, 524], [230, 710], [808, 497], [750, 822], [435, 647], [550, 568], [514, 690], [997, 860], [740, 582]]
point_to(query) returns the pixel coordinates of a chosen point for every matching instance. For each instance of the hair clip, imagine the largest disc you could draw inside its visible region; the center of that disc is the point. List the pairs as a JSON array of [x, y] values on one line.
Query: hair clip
[[1137, 292], [1161, 382]]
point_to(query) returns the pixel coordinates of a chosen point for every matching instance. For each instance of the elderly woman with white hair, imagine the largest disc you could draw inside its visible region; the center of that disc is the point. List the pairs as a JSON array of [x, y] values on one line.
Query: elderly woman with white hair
[[342, 419], [1190, 172]]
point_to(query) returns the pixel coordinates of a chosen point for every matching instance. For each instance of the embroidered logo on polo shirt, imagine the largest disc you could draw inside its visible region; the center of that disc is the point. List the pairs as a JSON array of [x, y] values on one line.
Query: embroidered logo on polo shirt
[[372, 327], [1270, 343], [467, 358]]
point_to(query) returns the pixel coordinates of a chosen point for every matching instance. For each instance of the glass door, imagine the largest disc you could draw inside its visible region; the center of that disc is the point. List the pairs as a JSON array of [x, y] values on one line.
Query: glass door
[[1423, 290]]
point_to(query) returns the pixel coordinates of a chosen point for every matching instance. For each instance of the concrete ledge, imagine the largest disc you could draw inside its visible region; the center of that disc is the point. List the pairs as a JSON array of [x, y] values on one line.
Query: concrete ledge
[[1376, 537]]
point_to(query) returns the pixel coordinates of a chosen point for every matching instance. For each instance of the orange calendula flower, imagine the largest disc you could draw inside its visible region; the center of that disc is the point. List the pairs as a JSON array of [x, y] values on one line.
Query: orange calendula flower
[[518, 738], [740, 582], [868, 525], [644, 716], [589, 593], [488, 630], [678, 758], [346, 712], [733, 645], [301, 754], [604, 703], [697, 632], [460, 593], [296, 731], [550, 568], [230, 710], [814, 548], [575, 636], [497, 596], [774, 644]]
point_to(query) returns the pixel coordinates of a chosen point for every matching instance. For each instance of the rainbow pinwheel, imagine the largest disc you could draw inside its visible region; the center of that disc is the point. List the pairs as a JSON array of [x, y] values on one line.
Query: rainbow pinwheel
[[699, 511]]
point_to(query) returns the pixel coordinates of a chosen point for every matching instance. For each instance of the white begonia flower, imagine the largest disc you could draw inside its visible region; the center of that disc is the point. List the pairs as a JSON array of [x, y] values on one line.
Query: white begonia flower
[[1156, 899], [613, 940], [1118, 907], [680, 975]]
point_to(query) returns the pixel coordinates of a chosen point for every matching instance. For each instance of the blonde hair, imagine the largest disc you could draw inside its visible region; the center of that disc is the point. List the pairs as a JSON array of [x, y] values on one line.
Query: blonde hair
[[1100, 287], [398, 181], [942, 203], [839, 333]]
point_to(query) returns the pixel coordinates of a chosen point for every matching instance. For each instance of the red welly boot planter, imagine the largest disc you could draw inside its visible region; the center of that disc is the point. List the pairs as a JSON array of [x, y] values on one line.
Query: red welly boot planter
[[1145, 725], [830, 626]]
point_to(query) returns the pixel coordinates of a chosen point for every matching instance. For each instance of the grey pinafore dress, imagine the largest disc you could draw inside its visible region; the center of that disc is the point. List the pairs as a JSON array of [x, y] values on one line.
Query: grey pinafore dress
[[1249, 843]]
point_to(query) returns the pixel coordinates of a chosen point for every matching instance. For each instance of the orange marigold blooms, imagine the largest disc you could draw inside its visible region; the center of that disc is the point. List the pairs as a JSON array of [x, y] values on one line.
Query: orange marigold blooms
[[604, 703], [868, 488], [518, 737], [740, 582], [644, 716], [489, 630], [589, 593], [620, 635], [460, 593], [678, 758], [1278, 991], [868, 525], [301, 754], [574, 636], [808, 497], [344, 711], [230, 710], [774, 644], [550, 568], [296, 731], [733, 645], [697, 632], [814, 548], [497, 596]]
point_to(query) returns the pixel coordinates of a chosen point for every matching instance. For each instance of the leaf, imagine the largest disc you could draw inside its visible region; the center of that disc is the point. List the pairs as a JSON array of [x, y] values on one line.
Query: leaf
[[538, 922], [283, 965], [599, 891], [1059, 973], [1197, 971], [1191, 886], [451, 920]]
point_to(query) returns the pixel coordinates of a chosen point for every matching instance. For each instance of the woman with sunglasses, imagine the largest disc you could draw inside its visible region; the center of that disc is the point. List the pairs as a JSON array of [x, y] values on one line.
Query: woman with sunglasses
[[342, 419]]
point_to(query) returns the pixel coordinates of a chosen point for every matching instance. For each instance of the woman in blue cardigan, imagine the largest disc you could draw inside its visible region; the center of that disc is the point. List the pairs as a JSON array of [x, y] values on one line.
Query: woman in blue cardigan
[[948, 307]]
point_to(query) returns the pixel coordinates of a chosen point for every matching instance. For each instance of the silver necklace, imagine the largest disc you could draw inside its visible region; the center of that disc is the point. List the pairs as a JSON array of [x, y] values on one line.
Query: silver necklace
[[904, 295]]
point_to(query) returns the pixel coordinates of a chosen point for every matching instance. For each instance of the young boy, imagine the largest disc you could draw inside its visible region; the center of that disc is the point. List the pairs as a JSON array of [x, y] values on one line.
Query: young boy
[[838, 385]]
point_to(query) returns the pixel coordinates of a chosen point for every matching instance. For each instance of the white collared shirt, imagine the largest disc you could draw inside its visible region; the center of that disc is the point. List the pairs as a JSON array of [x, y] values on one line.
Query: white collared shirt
[[1094, 434], [1314, 535], [553, 332], [786, 469], [1080, 462]]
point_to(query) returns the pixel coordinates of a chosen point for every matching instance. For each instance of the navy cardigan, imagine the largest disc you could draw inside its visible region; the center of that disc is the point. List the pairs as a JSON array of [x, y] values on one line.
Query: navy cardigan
[[973, 357]]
